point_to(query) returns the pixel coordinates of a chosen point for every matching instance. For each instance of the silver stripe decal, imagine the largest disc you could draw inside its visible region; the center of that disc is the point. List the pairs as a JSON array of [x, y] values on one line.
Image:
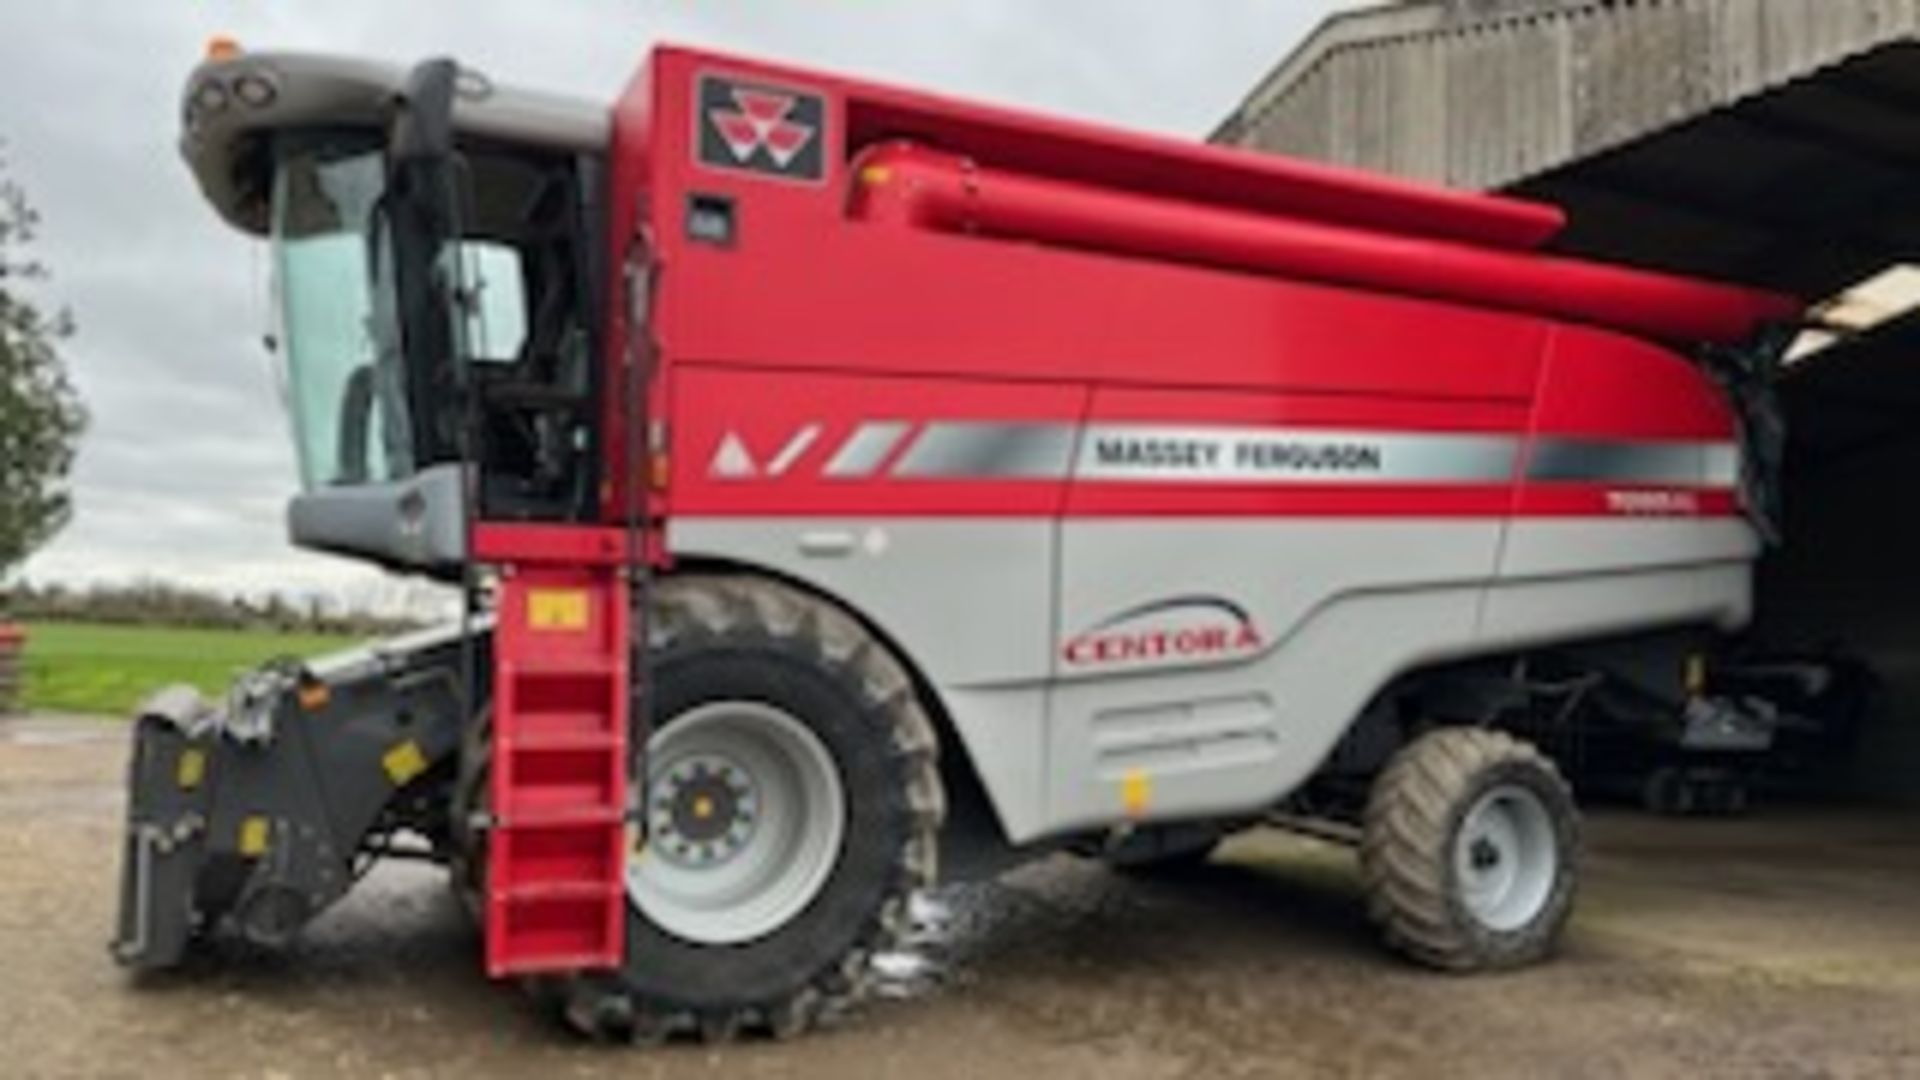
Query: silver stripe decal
[[1160, 453], [790, 453], [1725, 465], [1157, 454], [967, 450], [1669, 464], [866, 448]]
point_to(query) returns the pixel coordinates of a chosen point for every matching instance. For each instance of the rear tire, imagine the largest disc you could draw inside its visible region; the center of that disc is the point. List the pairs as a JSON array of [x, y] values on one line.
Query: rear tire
[[776, 712], [1469, 851]]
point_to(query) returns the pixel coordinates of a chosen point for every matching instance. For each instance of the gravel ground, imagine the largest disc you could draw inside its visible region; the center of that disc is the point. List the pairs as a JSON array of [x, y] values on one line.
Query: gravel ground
[[1784, 945]]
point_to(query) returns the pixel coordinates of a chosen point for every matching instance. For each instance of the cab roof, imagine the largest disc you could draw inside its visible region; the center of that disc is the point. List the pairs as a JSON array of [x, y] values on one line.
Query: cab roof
[[232, 104]]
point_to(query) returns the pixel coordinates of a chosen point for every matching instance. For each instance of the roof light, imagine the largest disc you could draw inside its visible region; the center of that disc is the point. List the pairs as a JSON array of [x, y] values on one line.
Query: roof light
[[254, 90], [210, 97], [1882, 298], [1866, 305], [222, 47]]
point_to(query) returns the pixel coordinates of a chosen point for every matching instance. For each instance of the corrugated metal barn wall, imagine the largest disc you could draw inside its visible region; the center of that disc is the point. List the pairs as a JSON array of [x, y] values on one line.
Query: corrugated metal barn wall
[[1774, 142], [1444, 91]]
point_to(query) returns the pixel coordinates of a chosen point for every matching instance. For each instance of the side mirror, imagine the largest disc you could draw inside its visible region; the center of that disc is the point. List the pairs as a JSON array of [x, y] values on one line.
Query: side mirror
[[421, 129]]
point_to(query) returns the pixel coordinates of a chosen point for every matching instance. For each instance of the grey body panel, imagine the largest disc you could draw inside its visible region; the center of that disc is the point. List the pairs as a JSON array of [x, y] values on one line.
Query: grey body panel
[[221, 143], [1341, 608], [418, 523], [970, 603]]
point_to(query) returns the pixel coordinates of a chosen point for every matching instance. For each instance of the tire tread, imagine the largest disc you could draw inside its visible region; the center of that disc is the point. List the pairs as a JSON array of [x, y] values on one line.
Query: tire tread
[[720, 606], [1405, 851]]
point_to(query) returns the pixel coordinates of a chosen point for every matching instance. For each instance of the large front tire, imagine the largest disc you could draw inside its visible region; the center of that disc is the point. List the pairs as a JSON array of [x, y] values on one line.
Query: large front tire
[[794, 807], [1469, 851]]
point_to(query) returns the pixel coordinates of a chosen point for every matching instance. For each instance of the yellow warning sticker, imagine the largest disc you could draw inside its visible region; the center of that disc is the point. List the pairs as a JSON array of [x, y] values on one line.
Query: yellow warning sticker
[[1136, 791], [254, 833], [557, 609], [404, 762], [191, 768]]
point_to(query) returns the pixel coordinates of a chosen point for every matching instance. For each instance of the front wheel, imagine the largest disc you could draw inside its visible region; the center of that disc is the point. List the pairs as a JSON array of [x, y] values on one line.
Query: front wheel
[[792, 808], [1469, 851]]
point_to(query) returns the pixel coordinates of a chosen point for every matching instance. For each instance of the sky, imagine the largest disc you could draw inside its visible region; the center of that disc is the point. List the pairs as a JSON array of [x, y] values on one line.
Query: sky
[[187, 468]]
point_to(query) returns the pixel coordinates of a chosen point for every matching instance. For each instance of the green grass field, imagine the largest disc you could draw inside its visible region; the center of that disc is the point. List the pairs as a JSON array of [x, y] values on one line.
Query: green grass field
[[109, 670]]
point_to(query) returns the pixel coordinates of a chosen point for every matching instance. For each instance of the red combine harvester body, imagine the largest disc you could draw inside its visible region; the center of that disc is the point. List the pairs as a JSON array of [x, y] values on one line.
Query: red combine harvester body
[[787, 429]]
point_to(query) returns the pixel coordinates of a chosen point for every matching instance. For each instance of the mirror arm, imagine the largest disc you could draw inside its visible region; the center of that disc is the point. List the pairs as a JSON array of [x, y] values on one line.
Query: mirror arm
[[421, 130]]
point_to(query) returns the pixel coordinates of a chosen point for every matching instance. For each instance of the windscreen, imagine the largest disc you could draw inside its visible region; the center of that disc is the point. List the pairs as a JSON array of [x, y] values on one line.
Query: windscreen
[[333, 281]]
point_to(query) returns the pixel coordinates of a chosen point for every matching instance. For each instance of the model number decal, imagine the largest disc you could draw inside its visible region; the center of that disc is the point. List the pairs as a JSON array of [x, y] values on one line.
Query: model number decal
[[1654, 503]]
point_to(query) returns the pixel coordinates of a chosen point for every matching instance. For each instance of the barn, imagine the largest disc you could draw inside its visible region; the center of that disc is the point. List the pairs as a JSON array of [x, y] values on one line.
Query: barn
[[1768, 142]]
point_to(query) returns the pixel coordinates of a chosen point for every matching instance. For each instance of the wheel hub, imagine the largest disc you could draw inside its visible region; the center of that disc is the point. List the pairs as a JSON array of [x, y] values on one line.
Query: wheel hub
[[703, 811], [745, 817], [1506, 858]]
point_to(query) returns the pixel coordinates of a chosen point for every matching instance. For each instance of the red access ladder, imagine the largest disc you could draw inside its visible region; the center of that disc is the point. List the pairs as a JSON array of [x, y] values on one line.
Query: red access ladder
[[556, 892]]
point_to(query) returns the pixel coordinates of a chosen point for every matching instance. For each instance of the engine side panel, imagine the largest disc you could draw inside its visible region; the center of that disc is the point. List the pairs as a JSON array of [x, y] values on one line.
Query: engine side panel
[[1152, 604], [1628, 515]]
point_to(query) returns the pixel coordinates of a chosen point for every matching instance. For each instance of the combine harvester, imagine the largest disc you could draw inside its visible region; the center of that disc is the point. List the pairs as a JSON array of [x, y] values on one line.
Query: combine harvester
[[845, 479]]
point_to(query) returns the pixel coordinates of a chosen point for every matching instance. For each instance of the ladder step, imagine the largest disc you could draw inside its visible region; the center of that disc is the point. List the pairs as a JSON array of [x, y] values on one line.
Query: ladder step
[[547, 964], [547, 741], [560, 817], [557, 722], [534, 892], [548, 667]]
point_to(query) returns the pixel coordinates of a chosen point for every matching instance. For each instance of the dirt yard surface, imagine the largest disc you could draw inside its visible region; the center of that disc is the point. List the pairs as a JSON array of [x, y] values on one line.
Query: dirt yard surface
[[1785, 945]]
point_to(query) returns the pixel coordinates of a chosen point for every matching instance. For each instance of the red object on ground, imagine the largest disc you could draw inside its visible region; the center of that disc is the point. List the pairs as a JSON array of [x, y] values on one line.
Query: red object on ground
[[556, 889], [13, 642]]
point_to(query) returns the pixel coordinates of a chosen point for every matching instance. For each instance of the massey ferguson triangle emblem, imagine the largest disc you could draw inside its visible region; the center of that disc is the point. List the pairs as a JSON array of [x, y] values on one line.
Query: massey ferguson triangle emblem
[[761, 129], [733, 461]]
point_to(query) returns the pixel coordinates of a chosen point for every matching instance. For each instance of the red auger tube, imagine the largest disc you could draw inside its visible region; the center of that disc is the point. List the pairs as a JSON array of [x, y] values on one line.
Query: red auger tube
[[912, 185]]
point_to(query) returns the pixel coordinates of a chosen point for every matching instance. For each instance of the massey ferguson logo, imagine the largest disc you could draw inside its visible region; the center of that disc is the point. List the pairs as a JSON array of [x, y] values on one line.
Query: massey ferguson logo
[[1180, 628], [733, 461], [750, 127]]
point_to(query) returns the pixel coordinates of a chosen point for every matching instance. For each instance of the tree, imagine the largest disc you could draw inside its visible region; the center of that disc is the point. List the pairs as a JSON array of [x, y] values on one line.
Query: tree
[[41, 416]]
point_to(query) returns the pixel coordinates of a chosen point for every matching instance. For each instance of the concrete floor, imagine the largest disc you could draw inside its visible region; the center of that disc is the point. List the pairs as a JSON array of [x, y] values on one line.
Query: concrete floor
[[1787, 944]]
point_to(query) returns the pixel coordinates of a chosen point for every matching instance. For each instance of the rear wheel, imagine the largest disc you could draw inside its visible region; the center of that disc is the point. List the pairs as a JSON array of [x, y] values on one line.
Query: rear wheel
[[792, 810], [1469, 850]]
